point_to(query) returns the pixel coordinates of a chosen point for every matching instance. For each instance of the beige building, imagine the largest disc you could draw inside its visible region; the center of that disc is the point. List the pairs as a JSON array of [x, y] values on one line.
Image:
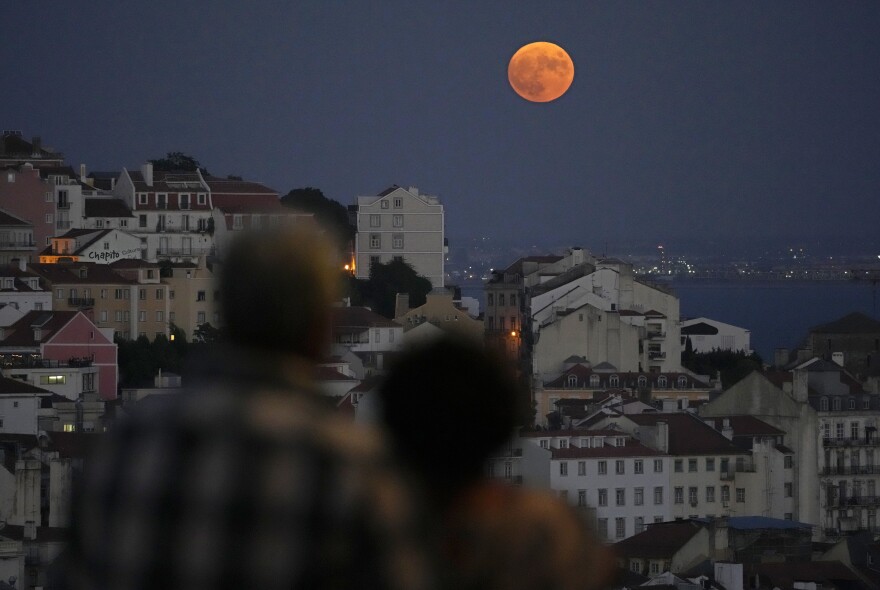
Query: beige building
[[439, 310], [401, 224], [193, 295], [604, 315]]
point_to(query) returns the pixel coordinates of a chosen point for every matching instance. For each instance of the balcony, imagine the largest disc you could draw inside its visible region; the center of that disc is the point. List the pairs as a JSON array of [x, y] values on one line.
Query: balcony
[[173, 252], [656, 354], [860, 501], [29, 362], [81, 302], [851, 442], [64, 204], [17, 244], [656, 335], [853, 470]]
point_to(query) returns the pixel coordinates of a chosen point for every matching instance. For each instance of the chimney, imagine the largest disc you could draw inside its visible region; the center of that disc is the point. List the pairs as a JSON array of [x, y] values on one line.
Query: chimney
[[727, 429], [147, 170], [837, 357], [800, 385], [82, 173], [37, 146], [30, 530], [414, 190], [780, 357], [401, 304], [663, 437]]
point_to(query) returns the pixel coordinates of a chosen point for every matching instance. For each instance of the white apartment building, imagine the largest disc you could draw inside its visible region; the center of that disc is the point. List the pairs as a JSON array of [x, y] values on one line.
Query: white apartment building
[[401, 224], [706, 335], [368, 335], [605, 315]]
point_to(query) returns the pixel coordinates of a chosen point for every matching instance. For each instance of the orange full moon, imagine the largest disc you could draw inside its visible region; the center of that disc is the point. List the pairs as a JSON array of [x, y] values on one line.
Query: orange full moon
[[540, 71]]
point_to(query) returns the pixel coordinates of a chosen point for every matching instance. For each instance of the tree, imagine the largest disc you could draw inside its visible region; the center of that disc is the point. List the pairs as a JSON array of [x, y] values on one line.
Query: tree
[[207, 334], [733, 365], [387, 280], [177, 161], [329, 214]]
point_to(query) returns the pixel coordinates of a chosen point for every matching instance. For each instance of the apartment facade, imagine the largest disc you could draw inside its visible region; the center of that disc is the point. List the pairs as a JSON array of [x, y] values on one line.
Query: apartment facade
[[401, 224]]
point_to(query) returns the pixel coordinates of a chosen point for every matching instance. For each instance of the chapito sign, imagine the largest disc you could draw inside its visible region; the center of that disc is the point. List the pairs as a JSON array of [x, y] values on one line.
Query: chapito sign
[[107, 255]]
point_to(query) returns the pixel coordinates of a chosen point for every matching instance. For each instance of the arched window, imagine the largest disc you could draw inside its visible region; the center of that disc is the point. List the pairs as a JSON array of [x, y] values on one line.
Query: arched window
[[661, 381], [643, 381], [682, 381], [594, 381], [823, 404], [614, 381], [572, 380]]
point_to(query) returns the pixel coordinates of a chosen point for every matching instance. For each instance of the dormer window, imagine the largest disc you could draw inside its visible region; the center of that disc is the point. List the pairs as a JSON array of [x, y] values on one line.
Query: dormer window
[[184, 202], [661, 381], [823, 404], [682, 381], [614, 381], [836, 403], [142, 198], [572, 381], [643, 382], [161, 201], [563, 443], [594, 381]]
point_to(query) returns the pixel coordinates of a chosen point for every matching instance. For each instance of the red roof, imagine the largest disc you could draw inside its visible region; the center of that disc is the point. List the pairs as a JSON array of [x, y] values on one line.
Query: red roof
[[689, 435], [658, 541]]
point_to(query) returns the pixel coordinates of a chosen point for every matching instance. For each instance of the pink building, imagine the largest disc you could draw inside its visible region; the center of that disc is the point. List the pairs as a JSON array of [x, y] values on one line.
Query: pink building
[[67, 342]]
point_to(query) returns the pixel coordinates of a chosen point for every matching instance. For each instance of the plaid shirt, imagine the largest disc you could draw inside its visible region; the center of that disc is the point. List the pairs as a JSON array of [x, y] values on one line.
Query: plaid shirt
[[251, 482]]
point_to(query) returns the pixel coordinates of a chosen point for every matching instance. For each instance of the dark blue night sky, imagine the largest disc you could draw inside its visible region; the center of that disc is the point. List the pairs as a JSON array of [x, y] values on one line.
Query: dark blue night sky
[[731, 121]]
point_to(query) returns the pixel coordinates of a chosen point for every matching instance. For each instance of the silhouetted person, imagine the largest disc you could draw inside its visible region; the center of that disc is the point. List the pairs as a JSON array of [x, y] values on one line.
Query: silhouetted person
[[250, 480], [448, 404]]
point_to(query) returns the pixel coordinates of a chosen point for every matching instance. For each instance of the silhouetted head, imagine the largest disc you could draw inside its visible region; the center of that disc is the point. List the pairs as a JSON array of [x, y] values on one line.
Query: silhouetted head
[[447, 405], [276, 289]]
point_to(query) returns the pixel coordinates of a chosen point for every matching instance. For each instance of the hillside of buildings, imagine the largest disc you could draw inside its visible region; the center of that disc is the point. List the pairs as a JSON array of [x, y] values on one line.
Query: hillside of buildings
[[698, 461]]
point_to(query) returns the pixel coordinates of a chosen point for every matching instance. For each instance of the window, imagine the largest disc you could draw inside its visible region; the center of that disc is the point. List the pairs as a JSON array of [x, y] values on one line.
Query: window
[[620, 496], [658, 465], [397, 220], [679, 495], [710, 464], [682, 381], [490, 299], [545, 444], [692, 495], [237, 222], [710, 493], [866, 403], [603, 467], [638, 466], [201, 199], [639, 496], [740, 494], [854, 430], [104, 315], [184, 202], [594, 381], [725, 493], [501, 299], [53, 379], [635, 565], [603, 497], [789, 488], [398, 203], [679, 465], [692, 465], [823, 404], [201, 296], [614, 381], [384, 204], [582, 498], [725, 465], [602, 528], [661, 381], [59, 293], [142, 198], [620, 527], [161, 201], [200, 317], [88, 380], [375, 221], [142, 316], [642, 381], [582, 467], [118, 316], [839, 430], [658, 495], [397, 241], [142, 294], [788, 461], [170, 316], [655, 567], [572, 380], [788, 516], [852, 404], [563, 468], [375, 241], [836, 403], [619, 467], [160, 316]]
